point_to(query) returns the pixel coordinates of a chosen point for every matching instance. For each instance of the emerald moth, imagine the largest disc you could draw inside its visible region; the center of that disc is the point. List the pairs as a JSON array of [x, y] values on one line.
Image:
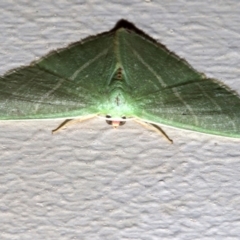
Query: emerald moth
[[120, 75]]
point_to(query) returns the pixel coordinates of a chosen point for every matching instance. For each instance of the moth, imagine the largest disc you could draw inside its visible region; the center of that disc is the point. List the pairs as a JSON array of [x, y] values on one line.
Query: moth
[[120, 75]]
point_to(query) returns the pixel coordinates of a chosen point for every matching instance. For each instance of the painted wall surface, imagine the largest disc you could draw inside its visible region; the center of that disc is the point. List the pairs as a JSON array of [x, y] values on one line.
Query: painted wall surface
[[91, 181]]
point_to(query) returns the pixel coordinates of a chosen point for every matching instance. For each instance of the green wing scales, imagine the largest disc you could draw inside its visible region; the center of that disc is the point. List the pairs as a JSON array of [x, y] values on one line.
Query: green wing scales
[[171, 92], [120, 73], [65, 83]]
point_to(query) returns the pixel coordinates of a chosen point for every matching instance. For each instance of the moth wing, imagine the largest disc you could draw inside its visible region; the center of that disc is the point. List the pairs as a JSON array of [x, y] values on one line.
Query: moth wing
[[66, 83], [167, 90]]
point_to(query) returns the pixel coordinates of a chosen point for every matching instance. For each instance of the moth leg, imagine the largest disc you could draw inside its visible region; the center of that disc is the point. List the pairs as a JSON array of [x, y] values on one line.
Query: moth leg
[[155, 128], [69, 122]]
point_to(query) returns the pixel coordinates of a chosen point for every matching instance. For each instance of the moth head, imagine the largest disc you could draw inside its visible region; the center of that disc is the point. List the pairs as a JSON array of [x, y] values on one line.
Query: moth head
[[115, 122]]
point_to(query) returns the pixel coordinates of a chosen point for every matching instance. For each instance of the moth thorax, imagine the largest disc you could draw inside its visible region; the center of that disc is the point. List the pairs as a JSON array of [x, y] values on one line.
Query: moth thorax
[[116, 97]]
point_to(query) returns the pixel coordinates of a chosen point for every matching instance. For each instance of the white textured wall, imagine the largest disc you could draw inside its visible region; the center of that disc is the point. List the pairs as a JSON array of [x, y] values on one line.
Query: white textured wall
[[93, 182]]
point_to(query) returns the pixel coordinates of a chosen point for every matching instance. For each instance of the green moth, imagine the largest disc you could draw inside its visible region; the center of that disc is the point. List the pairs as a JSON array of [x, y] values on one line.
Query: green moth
[[120, 75]]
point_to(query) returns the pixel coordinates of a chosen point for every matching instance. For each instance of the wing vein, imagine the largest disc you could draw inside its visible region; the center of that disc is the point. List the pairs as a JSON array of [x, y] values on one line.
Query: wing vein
[[215, 103], [163, 84], [74, 75], [187, 106]]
